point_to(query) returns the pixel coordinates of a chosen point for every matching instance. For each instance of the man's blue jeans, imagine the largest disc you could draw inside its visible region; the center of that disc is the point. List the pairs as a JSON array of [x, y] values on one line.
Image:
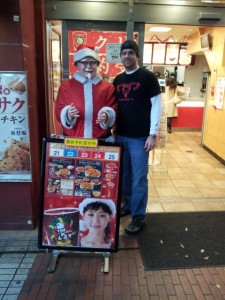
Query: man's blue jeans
[[135, 173]]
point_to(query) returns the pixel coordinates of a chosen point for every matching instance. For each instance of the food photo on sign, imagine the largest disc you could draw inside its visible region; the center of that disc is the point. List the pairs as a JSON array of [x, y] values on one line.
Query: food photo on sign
[[15, 140]]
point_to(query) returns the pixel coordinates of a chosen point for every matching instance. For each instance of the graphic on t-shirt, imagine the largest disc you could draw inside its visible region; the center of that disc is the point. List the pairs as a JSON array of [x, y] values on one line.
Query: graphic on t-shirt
[[127, 87]]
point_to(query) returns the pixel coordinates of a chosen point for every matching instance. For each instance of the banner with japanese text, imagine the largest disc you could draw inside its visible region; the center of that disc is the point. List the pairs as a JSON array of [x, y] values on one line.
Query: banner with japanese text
[[14, 138], [98, 39]]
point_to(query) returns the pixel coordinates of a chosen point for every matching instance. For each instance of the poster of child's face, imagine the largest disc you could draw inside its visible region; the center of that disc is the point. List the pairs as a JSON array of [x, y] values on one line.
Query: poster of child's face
[[96, 223]]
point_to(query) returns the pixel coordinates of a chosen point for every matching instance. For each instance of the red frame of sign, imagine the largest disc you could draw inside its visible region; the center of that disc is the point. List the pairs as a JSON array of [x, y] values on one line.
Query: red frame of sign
[[71, 178]]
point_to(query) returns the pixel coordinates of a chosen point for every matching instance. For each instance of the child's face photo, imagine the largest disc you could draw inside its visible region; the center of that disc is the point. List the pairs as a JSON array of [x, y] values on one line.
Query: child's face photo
[[96, 219]]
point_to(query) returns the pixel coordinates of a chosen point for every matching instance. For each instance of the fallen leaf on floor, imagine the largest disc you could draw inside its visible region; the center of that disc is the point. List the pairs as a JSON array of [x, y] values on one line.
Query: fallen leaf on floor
[[186, 229], [182, 245], [161, 241], [207, 257], [186, 255], [218, 286], [202, 250]]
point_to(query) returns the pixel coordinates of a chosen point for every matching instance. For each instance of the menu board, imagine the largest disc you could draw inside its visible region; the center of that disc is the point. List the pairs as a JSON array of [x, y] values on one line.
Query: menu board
[[80, 191], [159, 51], [185, 58], [172, 54], [147, 54], [167, 54]]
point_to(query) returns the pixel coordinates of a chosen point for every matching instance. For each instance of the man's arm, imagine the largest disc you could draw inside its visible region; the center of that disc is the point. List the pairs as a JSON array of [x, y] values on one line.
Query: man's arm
[[156, 112]]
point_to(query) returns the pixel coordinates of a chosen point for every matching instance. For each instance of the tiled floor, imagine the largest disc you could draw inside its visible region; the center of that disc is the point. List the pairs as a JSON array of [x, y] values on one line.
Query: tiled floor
[[79, 277], [14, 269], [183, 177], [18, 250]]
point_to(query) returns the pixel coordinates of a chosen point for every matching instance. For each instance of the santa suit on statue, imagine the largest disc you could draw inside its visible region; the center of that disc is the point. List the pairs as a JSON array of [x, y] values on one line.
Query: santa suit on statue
[[89, 95]]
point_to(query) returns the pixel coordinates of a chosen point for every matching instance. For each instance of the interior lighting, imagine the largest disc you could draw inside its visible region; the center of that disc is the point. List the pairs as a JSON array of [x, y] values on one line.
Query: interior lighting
[[213, 1], [160, 29]]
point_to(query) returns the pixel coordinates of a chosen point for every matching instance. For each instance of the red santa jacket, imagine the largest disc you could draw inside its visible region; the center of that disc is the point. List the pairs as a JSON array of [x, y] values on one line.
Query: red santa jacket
[[90, 97]]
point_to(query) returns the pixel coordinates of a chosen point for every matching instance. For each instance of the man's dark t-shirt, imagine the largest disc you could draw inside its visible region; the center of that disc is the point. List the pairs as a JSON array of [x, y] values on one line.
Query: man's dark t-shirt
[[133, 93]]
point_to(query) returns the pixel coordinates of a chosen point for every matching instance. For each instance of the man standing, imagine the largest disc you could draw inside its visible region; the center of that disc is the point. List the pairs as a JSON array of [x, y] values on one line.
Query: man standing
[[139, 110]]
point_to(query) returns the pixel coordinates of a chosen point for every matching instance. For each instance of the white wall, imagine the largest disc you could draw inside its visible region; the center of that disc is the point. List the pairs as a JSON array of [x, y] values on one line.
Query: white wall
[[193, 75]]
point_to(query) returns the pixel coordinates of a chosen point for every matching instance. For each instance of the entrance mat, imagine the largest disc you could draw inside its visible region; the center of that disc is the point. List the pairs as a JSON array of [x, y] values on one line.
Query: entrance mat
[[183, 240]]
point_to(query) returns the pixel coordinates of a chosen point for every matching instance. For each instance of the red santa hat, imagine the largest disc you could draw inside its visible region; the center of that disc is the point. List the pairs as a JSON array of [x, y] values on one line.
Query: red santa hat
[[107, 202], [84, 51]]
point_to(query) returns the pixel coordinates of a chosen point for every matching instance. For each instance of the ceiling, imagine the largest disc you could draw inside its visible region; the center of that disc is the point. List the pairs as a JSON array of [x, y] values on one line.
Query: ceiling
[[179, 33]]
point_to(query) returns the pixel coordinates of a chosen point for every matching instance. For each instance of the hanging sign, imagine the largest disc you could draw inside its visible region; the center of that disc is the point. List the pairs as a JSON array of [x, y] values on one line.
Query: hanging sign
[[80, 195], [113, 53]]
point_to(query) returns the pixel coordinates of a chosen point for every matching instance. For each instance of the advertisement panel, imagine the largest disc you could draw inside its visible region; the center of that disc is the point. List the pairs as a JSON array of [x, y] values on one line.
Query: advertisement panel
[[14, 139], [99, 39], [80, 195]]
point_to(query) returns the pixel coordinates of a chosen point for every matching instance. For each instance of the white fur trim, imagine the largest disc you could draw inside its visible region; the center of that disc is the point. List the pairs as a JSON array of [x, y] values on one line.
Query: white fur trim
[[88, 110], [95, 80], [63, 118], [84, 53], [96, 49], [111, 116]]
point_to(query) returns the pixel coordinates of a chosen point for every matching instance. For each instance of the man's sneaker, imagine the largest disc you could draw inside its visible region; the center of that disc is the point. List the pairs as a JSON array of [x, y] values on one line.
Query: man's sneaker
[[137, 224], [124, 212]]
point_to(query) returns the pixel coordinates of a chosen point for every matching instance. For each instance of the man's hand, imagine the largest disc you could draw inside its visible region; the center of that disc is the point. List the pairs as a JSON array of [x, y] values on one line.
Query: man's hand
[[150, 143]]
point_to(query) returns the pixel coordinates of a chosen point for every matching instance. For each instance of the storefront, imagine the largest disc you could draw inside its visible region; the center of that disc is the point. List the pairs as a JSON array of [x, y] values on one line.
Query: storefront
[[37, 41]]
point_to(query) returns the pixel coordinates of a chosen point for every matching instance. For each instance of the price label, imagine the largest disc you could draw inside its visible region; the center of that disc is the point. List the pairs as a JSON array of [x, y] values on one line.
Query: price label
[[56, 152], [111, 156], [70, 153]]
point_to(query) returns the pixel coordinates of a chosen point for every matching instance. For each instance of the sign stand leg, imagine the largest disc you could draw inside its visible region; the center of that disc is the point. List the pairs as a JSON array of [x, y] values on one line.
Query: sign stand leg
[[106, 256], [53, 261]]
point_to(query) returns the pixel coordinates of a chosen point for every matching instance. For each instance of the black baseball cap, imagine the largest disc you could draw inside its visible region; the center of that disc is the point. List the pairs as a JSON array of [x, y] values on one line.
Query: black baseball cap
[[129, 44]]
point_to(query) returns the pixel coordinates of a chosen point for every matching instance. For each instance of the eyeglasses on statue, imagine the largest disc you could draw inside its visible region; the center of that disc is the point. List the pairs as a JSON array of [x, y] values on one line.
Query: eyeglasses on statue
[[85, 63]]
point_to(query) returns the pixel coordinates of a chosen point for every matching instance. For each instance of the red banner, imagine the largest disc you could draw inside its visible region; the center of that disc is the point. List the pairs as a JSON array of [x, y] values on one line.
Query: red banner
[[97, 39]]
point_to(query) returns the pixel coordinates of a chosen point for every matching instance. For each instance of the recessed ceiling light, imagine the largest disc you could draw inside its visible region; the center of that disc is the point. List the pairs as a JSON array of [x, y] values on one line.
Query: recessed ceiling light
[[213, 1], [160, 29]]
